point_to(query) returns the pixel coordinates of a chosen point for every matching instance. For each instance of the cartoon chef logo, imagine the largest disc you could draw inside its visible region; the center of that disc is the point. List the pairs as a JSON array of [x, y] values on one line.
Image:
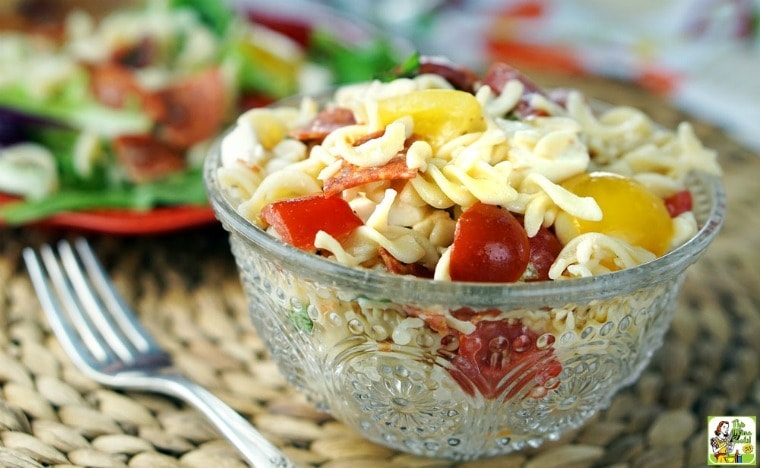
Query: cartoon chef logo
[[732, 440]]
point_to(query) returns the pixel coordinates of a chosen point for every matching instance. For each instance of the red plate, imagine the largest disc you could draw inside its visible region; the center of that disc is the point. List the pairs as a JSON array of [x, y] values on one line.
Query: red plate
[[126, 222]]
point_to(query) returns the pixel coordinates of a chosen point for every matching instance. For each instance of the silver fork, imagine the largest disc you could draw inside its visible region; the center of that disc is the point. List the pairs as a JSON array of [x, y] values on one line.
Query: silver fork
[[106, 342]]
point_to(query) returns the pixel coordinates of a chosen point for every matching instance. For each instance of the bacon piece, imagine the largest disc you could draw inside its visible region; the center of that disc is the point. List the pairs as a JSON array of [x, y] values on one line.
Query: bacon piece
[[114, 85], [191, 110], [400, 268], [500, 73], [370, 136], [32, 24], [436, 321], [461, 78], [187, 112], [466, 314], [327, 121], [350, 175], [139, 55], [144, 158]]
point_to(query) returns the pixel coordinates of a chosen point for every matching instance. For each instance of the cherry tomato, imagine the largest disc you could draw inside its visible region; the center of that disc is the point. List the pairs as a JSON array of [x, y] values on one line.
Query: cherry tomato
[[678, 203], [298, 220], [490, 245], [501, 348], [630, 211], [544, 249]]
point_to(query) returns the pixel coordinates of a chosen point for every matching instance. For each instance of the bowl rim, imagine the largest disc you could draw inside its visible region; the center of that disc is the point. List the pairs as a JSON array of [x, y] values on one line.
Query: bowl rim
[[385, 286]]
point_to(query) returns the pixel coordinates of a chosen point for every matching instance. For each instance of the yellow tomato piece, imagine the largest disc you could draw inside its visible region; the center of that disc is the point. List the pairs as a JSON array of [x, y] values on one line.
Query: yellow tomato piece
[[630, 211], [272, 63], [439, 115], [269, 130]]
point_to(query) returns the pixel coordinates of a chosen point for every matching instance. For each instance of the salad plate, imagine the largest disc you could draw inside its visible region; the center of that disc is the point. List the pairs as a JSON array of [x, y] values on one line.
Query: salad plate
[[159, 220], [261, 54]]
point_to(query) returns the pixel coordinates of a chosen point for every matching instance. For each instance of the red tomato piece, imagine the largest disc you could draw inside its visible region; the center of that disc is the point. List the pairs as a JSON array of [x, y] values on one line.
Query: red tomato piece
[[490, 245], [252, 100], [296, 28], [298, 220], [678, 203], [502, 358], [544, 249]]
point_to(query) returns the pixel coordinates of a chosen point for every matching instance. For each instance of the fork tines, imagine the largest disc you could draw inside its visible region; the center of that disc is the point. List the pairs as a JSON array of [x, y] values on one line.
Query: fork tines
[[83, 307]]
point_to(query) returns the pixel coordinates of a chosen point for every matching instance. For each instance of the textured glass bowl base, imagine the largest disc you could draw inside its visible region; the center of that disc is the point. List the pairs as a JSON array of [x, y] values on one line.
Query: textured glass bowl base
[[404, 390]]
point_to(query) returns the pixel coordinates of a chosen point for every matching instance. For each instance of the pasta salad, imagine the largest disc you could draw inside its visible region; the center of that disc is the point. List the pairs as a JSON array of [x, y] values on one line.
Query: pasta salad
[[440, 173]]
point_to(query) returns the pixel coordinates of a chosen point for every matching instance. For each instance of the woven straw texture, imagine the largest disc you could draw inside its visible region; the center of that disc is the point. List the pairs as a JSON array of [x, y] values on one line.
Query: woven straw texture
[[186, 290]]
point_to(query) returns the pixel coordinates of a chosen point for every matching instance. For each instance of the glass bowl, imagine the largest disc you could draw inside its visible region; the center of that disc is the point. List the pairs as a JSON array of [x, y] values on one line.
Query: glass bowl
[[399, 360]]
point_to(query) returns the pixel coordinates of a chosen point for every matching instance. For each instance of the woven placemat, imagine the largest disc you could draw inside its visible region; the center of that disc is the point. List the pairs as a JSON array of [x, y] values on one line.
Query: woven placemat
[[187, 292]]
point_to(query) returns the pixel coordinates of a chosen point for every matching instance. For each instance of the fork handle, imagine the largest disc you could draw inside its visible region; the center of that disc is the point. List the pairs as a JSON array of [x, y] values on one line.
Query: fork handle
[[252, 445]]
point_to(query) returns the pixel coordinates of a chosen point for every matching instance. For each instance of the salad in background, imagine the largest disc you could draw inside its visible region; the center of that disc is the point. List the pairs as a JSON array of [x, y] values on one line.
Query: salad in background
[[115, 111]]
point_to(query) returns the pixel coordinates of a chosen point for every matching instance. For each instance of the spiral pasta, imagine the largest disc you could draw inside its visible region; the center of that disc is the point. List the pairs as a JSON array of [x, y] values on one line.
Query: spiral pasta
[[409, 188]]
